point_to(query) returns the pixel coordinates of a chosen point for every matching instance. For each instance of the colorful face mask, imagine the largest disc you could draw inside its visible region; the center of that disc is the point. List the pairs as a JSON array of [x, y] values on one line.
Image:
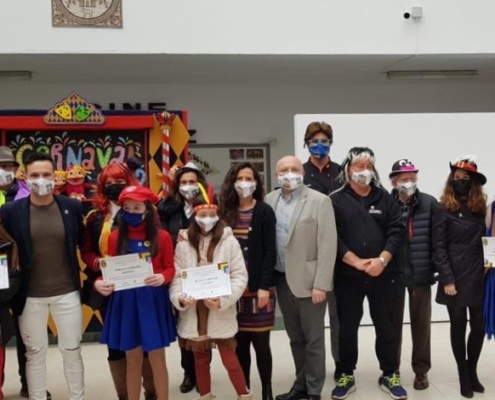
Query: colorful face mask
[[245, 189], [189, 191], [290, 180], [363, 178], [41, 186], [320, 150], [207, 223]]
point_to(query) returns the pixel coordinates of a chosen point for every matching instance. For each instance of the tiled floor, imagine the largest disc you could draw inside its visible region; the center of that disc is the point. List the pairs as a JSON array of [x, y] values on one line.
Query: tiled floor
[[442, 376]]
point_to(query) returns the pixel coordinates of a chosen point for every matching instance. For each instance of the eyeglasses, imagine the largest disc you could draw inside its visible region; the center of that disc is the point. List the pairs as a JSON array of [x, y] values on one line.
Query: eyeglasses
[[316, 142]]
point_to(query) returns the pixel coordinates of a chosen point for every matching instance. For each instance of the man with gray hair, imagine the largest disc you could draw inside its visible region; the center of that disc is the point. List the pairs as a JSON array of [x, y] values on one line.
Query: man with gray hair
[[306, 249], [370, 233]]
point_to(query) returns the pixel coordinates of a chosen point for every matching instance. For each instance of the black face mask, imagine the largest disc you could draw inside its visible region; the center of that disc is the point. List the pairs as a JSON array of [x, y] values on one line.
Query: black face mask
[[462, 187], [113, 191]]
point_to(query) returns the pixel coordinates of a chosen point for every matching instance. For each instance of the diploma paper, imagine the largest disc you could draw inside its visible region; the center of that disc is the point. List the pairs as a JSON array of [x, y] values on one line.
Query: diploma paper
[[206, 281], [4, 272], [489, 251], [126, 272]]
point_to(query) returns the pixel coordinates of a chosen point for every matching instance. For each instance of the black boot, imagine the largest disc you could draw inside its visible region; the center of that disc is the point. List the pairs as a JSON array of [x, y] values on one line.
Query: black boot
[[465, 381], [266, 392], [473, 374]]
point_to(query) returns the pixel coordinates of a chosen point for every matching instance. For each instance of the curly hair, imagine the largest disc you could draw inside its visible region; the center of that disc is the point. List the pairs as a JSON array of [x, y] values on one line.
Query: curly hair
[[115, 171], [475, 201], [229, 199]]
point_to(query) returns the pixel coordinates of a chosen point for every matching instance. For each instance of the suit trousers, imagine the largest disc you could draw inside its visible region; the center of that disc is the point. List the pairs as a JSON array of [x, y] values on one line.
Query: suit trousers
[[305, 326], [381, 293], [420, 316], [67, 314]]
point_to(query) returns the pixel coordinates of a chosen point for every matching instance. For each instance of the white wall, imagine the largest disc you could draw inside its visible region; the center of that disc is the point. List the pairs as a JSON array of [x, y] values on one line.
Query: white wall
[[255, 113], [259, 27]]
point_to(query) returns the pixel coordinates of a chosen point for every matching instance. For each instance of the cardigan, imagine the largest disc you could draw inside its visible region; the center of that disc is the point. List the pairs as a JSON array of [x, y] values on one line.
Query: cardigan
[[222, 323]]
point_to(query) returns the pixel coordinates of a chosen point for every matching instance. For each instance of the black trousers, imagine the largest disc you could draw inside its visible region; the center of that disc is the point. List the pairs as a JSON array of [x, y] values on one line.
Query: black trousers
[[21, 352], [381, 293], [261, 344], [187, 363], [470, 351]]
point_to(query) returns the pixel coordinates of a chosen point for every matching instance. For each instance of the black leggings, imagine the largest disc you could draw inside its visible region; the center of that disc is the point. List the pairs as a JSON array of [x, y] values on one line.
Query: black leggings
[[261, 344], [458, 325]]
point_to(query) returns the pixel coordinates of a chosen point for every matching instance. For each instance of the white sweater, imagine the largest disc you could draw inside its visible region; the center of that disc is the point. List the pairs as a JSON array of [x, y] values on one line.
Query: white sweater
[[222, 323]]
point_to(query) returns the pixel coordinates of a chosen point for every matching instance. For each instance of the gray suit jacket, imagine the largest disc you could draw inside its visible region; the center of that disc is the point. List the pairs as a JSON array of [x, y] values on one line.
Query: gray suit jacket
[[311, 243]]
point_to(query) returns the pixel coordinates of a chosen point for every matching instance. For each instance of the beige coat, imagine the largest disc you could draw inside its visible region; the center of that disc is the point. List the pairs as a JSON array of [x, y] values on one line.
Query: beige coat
[[222, 323], [311, 244]]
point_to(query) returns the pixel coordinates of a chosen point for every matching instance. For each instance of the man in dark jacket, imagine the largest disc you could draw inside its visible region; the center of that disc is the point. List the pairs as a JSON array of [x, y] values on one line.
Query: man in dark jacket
[[416, 267], [47, 230], [370, 234], [321, 174]]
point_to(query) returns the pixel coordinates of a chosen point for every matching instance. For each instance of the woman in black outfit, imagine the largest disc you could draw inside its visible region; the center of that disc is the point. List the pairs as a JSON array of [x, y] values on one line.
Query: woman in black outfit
[[253, 223], [458, 226], [175, 213]]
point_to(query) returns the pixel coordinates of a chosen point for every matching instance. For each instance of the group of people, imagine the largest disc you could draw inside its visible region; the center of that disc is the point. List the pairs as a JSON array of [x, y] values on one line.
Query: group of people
[[328, 237]]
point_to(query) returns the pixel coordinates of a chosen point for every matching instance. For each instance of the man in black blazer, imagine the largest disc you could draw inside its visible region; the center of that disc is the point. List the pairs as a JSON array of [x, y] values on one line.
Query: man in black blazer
[[47, 230]]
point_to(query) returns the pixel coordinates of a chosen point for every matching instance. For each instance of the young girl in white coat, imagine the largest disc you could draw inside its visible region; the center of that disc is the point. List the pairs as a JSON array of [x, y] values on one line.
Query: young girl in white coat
[[208, 323]]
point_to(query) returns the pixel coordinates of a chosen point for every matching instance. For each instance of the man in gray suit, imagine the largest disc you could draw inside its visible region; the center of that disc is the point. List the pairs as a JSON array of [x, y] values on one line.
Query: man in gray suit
[[306, 252]]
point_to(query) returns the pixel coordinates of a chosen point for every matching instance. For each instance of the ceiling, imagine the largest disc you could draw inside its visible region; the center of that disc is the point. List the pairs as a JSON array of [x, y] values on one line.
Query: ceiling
[[235, 69]]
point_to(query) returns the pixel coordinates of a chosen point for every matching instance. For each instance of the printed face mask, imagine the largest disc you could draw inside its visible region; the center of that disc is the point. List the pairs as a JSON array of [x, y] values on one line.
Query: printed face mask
[[41, 186], [462, 186], [409, 188], [290, 180], [189, 191], [245, 189], [363, 178], [132, 219], [6, 177], [207, 223]]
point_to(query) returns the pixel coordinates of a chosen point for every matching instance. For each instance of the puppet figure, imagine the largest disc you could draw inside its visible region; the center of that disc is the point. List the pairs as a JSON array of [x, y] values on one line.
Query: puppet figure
[[76, 184], [60, 182]]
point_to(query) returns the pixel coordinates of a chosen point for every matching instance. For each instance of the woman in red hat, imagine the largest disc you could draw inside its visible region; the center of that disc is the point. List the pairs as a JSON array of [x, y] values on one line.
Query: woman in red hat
[[140, 319], [99, 223], [458, 224], [208, 323]]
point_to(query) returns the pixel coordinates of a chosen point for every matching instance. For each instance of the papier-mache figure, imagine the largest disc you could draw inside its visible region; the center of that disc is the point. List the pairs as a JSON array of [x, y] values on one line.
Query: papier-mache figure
[[60, 182], [76, 185]]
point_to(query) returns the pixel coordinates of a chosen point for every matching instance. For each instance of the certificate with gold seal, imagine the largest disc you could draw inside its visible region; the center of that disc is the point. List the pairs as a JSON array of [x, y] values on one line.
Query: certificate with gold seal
[[489, 251], [128, 271], [206, 281]]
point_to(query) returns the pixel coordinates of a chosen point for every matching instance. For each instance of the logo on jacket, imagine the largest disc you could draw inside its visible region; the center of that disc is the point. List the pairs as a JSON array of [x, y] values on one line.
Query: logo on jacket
[[372, 210]]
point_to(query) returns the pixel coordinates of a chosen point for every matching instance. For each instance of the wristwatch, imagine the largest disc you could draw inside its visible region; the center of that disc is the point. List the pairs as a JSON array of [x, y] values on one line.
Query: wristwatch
[[384, 262]]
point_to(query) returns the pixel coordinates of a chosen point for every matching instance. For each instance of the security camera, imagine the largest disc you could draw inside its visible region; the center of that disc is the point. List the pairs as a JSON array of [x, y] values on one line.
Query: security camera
[[407, 15], [415, 12]]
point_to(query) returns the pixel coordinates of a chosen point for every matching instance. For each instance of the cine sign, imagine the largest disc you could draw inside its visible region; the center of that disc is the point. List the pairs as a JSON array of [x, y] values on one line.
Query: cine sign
[[134, 106]]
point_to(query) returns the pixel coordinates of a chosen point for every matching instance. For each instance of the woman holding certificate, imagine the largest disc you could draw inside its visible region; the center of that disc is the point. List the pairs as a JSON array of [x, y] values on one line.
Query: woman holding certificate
[[209, 252], [458, 223], [99, 223], [253, 223], [139, 319]]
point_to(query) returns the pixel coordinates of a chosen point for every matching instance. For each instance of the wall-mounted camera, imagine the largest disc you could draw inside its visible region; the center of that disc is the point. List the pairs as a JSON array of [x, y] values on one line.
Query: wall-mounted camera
[[415, 12]]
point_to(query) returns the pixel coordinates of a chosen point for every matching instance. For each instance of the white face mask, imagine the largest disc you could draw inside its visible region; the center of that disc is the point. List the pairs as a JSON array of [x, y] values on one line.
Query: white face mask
[[41, 186], [409, 188], [363, 178], [290, 180], [207, 223], [245, 189], [189, 191], [6, 177]]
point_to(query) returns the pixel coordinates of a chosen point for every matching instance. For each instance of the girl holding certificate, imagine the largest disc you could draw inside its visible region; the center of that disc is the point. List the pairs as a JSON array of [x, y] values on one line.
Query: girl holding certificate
[[458, 223], [211, 322], [99, 223], [140, 319], [253, 223]]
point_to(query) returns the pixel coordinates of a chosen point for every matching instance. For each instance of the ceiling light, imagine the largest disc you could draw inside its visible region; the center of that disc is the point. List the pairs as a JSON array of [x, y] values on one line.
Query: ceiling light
[[439, 74], [16, 75]]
